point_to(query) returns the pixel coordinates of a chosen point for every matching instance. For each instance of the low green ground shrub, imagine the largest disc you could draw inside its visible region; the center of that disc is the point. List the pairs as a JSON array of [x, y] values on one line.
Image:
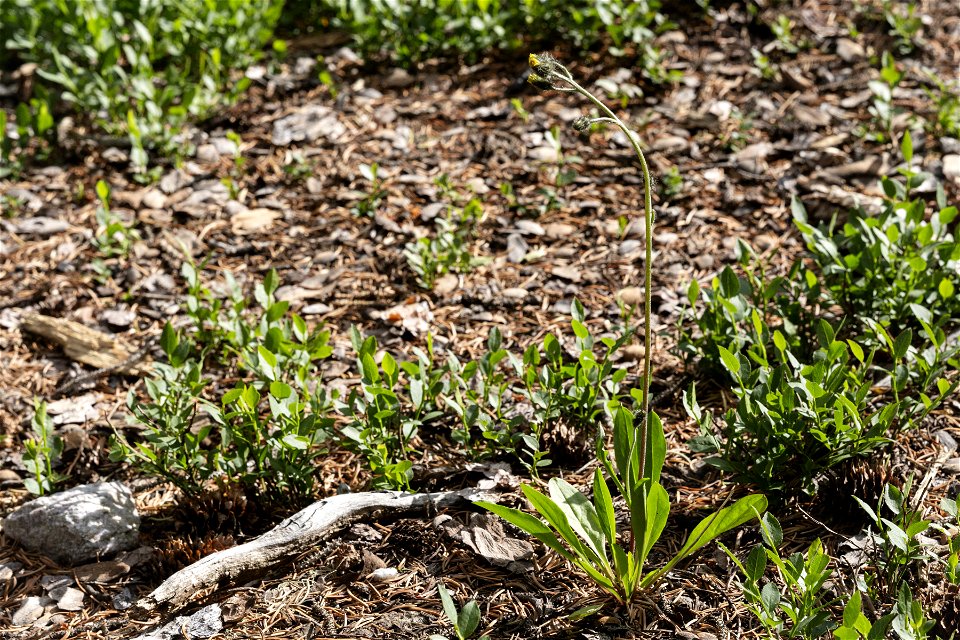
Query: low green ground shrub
[[882, 267], [265, 431], [412, 30], [806, 352], [141, 70], [137, 69]]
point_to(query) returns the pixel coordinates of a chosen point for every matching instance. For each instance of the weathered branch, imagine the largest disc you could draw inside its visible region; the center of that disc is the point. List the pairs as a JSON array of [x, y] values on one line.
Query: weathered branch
[[296, 534]]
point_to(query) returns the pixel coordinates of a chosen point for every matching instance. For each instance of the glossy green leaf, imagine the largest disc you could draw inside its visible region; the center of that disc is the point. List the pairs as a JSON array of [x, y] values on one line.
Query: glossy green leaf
[[657, 513], [603, 504], [580, 514], [710, 527], [449, 607], [557, 518], [730, 361], [468, 620]]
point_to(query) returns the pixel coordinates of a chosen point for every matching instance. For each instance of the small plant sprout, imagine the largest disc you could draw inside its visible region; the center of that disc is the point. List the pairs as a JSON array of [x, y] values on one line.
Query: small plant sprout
[[113, 237], [588, 529], [43, 451], [367, 205], [464, 621]]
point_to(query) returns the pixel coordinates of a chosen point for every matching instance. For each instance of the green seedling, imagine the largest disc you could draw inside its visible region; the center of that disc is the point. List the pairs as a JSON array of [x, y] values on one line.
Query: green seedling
[[42, 453], [368, 205], [113, 236], [464, 622]]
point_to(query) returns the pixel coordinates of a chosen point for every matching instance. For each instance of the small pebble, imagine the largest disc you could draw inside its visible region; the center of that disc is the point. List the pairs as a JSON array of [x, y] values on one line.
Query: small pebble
[[630, 296], [385, 574]]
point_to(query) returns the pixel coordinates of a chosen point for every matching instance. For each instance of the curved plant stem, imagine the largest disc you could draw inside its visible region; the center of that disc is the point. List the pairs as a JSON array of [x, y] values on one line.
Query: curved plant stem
[[648, 256]]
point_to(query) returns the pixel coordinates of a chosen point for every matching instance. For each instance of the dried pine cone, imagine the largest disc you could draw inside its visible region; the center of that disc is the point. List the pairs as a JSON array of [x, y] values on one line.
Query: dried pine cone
[[221, 507], [569, 443], [181, 552], [946, 612], [860, 477]]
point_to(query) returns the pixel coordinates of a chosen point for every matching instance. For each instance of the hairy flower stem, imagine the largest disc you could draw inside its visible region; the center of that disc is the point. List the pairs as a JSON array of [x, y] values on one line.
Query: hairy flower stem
[[546, 73]]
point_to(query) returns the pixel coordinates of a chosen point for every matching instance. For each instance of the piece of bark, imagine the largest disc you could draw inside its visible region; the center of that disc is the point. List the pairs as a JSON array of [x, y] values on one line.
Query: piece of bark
[[296, 534], [85, 345]]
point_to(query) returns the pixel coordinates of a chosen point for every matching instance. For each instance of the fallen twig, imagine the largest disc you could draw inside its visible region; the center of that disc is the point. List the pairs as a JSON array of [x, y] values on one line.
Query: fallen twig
[[292, 536]]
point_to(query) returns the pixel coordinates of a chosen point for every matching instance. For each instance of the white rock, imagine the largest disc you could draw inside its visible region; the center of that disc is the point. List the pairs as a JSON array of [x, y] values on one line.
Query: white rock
[[79, 524], [849, 51], [951, 167], [29, 611], [154, 199], [70, 600], [208, 154], [515, 293], [385, 574]]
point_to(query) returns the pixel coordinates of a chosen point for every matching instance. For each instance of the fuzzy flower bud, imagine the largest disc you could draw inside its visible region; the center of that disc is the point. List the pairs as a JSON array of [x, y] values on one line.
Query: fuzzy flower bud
[[582, 123], [545, 72], [540, 82]]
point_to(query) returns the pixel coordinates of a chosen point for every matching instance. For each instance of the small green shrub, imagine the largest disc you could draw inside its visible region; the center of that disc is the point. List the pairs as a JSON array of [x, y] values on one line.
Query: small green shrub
[[448, 250], [33, 132], [802, 607], [951, 568], [794, 419], [42, 453], [905, 24], [881, 266], [395, 399], [946, 98], [896, 554], [415, 30], [138, 69], [805, 351], [882, 109], [577, 394], [265, 432], [380, 425], [741, 312]]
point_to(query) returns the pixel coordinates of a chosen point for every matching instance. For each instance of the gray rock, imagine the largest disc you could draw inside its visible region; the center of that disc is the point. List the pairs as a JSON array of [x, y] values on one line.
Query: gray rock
[[112, 154], [398, 79], [69, 599], [154, 199], [950, 145], [850, 51], [517, 248], [529, 227], [79, 524], [30, 611], [304, 66], [224, 146], [208, 154], [205, 623], [8, 569], [41, 226], [308, 124], [943, 437], [28, 199], [951, 167], [432, 210]]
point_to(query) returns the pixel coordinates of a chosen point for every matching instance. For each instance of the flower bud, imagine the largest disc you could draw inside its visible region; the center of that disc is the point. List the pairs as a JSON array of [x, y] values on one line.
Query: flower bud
[[581, 124], [540, 82]]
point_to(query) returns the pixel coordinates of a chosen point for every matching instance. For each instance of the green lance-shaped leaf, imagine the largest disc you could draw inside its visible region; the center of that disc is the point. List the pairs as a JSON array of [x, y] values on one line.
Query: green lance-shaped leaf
[[709, 528], [581, 516]]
